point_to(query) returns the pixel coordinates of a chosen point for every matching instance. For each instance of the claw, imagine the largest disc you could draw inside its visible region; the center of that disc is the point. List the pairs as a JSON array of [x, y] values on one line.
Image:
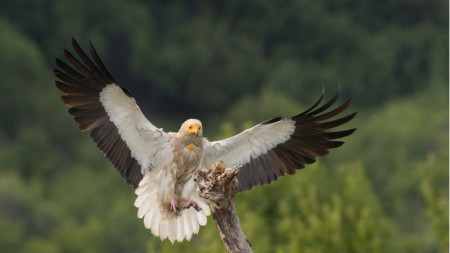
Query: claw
[[173, 205], [193, 204]]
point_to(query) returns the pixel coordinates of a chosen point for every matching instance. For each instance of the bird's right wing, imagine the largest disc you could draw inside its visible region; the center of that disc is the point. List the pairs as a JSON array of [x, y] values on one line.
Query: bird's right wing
[[120, 130], [280, 146]]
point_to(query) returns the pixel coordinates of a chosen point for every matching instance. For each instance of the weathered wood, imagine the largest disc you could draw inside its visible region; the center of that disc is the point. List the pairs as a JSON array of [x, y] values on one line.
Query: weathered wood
[[220, 187]]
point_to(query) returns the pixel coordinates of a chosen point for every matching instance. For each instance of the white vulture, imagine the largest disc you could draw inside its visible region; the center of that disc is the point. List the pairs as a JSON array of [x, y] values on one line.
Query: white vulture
[[160, 165]]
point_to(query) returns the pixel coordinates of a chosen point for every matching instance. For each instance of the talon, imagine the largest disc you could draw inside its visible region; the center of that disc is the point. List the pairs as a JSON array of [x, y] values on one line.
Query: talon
[[173, 205], [193, 204]]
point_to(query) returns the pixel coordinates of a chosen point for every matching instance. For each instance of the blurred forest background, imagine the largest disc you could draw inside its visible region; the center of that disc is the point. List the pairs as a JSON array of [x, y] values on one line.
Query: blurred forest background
[[233, 64]]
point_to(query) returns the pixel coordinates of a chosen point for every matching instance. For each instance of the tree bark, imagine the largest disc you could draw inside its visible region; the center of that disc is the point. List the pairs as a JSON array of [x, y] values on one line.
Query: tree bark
[[220, 187]]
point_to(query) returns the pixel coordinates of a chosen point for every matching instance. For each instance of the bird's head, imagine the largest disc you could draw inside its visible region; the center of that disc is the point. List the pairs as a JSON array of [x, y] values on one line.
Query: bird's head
[[192, 127]]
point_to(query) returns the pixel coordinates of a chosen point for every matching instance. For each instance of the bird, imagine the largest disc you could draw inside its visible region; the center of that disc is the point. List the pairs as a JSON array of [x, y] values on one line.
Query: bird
[[160, 165]]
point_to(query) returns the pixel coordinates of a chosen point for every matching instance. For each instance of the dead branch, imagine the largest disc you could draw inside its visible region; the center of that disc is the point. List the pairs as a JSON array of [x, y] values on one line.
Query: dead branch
[[220, 187]]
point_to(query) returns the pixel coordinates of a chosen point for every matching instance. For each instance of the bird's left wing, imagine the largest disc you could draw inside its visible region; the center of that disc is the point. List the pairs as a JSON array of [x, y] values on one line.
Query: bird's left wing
[[120, 130], [279, 146]]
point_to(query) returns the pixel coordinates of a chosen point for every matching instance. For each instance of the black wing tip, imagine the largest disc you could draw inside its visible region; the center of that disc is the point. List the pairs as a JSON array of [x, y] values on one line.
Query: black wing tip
[[313, 106], [270, 121], [336, 122], [126, 92], [351, 115], [66, 53], [99, 62], [330, 103], [58, 61], [349, 131], [90, 45], [86, 63], [310, 111], [338, 134], [60, 85], [74, 42]]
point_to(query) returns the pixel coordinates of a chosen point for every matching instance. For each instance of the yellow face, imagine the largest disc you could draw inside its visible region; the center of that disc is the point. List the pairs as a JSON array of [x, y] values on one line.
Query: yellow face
[[194, 129]]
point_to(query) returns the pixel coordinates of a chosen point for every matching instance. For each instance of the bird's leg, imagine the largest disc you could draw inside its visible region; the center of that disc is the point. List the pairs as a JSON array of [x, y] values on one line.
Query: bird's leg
[[173, 205], [193, 204]]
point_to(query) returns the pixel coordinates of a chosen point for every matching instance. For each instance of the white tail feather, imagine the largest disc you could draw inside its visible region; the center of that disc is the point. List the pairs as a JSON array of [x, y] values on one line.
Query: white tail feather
[[188, 226], [176, 228], [180, 235]]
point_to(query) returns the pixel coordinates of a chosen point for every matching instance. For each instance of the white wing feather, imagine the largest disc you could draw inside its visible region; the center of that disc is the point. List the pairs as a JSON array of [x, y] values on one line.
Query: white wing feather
[[253, 142], [148, 145]]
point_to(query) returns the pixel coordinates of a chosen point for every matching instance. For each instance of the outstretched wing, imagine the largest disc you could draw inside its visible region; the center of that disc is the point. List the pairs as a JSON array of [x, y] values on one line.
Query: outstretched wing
[[119, 128], [280, 146]]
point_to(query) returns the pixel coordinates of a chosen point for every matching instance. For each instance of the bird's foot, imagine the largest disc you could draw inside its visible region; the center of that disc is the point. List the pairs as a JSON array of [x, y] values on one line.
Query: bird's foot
[[193, 204], [173, 205]]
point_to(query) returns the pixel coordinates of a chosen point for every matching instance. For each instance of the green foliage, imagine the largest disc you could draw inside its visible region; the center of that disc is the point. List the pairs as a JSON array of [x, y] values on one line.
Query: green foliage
[[270, 103], [26, 79], [233, 64], [417, 133], [316, 212], [435, 192], [180, 53], [10, 241]]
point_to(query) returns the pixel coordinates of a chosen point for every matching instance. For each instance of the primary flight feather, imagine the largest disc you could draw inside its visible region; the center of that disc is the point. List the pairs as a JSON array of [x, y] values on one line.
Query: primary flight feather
[[160, 165]]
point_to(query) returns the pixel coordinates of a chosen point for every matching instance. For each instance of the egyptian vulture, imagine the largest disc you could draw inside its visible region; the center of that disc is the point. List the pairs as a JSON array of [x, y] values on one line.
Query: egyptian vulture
[[160, 165]]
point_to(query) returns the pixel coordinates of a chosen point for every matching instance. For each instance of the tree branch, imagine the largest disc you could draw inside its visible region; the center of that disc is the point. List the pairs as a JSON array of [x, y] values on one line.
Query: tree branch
[[220, 187]]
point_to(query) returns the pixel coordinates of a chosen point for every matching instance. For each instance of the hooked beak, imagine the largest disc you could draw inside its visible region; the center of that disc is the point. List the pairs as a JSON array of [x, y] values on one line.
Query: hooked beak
[[194, 129]]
